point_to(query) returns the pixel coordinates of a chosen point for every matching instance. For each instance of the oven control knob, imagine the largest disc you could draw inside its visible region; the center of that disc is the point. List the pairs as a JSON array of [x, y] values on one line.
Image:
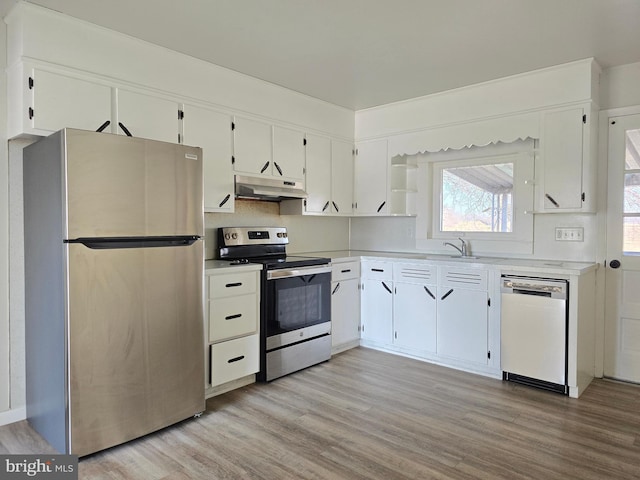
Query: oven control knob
[[234, 236], [279, 234], [227, 236]]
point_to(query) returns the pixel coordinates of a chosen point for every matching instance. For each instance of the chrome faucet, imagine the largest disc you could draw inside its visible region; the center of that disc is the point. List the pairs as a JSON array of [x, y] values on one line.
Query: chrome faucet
[[462, 249]]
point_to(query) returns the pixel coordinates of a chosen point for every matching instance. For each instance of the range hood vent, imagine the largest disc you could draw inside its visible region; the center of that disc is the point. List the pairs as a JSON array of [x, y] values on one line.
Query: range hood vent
[[272, 189]]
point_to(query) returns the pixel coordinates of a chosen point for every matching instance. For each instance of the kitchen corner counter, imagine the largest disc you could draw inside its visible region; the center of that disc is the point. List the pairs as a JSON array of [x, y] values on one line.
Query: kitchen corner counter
[[212, 267], [515, 265]]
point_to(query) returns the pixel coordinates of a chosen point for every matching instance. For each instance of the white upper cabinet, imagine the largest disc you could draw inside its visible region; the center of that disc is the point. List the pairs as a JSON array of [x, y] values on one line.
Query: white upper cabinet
[[211, 131], [328, 179], [269, 151], [252, 146], [56, 101], [147, 116], [318, 178], [371, 167], [566, 166], [342, 177], [288, 153]]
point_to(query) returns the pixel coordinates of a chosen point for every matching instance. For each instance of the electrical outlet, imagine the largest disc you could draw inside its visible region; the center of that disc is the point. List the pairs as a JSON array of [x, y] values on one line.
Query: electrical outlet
[[570, 234]]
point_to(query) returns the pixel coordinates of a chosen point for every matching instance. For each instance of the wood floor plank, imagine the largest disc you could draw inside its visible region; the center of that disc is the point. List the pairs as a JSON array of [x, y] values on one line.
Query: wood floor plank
[[370, 415]]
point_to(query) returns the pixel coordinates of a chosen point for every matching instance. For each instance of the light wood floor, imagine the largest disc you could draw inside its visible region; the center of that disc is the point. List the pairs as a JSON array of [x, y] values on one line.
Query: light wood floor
[[370, 415]]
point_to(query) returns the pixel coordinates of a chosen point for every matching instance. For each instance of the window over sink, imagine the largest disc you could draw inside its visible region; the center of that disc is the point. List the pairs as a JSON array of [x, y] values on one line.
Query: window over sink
[[476, 197], [483, 194]]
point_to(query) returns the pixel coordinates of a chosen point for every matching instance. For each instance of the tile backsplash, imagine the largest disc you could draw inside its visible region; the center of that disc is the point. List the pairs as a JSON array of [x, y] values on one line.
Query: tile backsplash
[[306, 233]]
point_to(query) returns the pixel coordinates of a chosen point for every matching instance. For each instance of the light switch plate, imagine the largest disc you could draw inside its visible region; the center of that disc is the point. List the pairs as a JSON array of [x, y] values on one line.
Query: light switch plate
[[570, 234]]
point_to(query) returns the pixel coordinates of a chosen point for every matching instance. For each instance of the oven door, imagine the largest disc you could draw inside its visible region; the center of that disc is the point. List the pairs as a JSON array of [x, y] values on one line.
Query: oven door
[[297, 299]]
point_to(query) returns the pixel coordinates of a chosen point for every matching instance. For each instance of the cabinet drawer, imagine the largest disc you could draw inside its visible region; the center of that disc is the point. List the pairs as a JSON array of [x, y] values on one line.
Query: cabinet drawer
[[415, 273], [234, 359], [377, 270], [345, 271], [473, 279], [232, 284], [232, 317]]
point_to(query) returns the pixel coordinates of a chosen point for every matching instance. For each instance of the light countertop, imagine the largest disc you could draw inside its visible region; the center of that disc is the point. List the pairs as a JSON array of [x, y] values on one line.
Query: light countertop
[[516, 265]]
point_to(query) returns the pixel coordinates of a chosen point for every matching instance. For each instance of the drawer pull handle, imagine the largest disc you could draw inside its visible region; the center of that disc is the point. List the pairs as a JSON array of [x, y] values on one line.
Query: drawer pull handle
[[377, 270], [235, 359], [230, 285], [232, 317], [345, 271], [429, 292], [446, 294]]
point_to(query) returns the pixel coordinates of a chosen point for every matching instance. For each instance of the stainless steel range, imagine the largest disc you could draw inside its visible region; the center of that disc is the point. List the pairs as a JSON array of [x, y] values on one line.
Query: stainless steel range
[[295, 305]]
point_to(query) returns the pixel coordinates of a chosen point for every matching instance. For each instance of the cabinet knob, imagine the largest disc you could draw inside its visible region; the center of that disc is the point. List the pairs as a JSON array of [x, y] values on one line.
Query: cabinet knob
[[614, 263]]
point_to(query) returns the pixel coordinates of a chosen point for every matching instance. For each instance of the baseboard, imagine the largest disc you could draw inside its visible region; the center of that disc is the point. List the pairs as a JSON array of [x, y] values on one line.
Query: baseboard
[[13, 415]]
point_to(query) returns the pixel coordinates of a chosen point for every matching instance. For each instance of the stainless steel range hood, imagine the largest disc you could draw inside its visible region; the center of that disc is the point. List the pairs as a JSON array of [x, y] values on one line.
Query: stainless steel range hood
[[273, 189]]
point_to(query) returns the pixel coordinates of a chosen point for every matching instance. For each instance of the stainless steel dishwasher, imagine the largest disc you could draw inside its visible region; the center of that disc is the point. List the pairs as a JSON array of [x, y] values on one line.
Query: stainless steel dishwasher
[[534, 328]]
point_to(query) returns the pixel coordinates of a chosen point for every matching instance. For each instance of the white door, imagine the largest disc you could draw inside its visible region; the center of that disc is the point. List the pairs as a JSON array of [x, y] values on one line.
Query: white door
[[414, 316], [342, 177], [288, 153], [211, 131], [146, 116], [622, 316], [60, 101], [377, 311], [318, 180]]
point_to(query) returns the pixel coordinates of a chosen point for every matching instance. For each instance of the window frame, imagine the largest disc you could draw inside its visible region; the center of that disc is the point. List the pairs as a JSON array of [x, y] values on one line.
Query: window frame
[[428, 235]]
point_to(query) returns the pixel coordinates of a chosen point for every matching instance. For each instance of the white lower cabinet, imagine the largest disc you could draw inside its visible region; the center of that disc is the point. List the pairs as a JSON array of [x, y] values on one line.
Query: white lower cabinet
[[234, 359], [231, 328], [462, 324], [345, 305], [377, 302], [414, 316], [439, 313], [377, 310]]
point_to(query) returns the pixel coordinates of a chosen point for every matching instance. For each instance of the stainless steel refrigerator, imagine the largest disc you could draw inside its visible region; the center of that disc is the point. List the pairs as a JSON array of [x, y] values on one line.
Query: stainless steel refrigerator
[[113, 287]]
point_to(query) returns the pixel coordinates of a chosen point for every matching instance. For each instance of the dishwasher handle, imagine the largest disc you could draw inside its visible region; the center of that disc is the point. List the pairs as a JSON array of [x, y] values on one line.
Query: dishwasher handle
[[549, 288]]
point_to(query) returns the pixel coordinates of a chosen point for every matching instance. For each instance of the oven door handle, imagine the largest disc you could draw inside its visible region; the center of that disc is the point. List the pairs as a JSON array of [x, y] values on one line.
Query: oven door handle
[[297, 272]]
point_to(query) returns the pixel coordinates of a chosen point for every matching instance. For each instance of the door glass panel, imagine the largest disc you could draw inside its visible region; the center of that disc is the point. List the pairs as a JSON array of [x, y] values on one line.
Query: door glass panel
[[632, 150], [631, 231], [631, 207], [632, 193]]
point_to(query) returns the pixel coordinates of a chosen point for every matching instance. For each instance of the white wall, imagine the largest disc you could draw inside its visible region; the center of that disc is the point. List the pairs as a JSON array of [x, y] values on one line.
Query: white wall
[[620, 86]]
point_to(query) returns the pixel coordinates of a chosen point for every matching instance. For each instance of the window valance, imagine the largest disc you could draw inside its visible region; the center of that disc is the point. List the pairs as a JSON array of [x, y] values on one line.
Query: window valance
[[478, 133]]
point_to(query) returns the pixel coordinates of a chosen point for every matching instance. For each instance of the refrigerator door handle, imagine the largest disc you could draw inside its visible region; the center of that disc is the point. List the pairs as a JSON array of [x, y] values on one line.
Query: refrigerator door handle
[[135, 242]]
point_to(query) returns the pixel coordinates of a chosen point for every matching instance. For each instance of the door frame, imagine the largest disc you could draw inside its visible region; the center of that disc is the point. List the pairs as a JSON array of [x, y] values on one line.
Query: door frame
[[602, 225]]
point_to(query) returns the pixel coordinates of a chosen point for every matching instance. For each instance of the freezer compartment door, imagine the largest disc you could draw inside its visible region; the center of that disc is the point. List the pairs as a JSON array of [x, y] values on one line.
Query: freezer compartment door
[[136, 348], [120, 186]]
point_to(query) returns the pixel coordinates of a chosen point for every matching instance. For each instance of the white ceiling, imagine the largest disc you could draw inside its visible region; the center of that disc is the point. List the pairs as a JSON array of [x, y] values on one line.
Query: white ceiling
[[362, 53]]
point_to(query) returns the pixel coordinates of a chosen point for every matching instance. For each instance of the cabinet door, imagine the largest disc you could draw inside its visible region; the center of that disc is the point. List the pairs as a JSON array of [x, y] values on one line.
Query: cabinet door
[[318, 177], [414, 316], [562, 150], [60, 101], [462, 324], [342, 177], [252, 146], [146, 116], [288, 153], [345, 312], [211, 131], [377, 311], [371, 166]]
